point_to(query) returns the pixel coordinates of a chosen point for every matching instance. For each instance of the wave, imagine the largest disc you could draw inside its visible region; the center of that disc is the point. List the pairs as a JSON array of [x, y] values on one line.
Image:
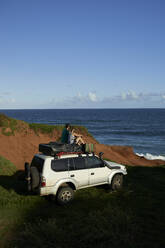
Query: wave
[[146, 133], [150, 156]]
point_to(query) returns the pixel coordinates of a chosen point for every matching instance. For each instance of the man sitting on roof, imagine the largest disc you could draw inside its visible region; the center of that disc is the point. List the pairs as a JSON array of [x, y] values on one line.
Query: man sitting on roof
[[65, 134]]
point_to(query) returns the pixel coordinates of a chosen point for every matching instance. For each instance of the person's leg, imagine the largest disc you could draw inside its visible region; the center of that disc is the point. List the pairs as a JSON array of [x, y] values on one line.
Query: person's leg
[[80, 141]]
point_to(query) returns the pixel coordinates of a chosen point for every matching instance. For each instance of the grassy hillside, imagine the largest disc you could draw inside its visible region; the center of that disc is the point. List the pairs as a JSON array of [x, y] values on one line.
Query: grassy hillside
[[134, 217], [10, 125]]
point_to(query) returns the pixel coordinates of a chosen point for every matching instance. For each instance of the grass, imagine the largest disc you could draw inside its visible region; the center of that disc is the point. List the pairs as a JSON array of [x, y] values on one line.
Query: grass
[[131, 218], [44, 128], [8, 125], [48, 129]]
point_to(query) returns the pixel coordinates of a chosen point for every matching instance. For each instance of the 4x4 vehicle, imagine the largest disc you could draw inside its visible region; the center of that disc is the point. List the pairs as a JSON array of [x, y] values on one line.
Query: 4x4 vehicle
[[59, 176]]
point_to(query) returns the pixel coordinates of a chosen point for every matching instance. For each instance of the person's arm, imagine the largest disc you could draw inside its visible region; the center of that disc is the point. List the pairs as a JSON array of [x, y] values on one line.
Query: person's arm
[[77, 135]]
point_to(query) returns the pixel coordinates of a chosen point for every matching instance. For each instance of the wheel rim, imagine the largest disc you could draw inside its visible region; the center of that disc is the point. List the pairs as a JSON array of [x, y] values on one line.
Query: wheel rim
[[66, 196], [117, 182]]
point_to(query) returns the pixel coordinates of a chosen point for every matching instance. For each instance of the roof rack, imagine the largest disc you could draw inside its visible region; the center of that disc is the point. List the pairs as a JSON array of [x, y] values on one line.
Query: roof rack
[[55, 149], [67, 153]]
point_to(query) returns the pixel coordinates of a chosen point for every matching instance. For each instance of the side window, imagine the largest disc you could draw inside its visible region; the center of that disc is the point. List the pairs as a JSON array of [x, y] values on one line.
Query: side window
[[79, 163], [59, 165], [71, 164], [94, 162]]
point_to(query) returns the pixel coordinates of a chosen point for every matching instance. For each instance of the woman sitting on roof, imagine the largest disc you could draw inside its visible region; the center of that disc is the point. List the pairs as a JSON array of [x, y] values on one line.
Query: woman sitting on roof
[[75, 138]]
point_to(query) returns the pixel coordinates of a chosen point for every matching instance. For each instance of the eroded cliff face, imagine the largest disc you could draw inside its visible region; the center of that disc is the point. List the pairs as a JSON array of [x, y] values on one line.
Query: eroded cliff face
[[21, 146]]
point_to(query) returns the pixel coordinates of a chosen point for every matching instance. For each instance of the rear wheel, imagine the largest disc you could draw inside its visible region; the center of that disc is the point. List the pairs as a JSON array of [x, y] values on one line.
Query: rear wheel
[[117, 182], [27, 176], [65, 195]]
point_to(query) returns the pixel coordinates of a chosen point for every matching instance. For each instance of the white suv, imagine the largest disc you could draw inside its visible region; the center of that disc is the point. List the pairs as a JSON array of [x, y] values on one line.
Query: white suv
[[59, 176]]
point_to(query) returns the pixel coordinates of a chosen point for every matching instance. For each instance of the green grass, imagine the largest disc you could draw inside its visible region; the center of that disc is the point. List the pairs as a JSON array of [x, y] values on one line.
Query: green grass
[[131, 218], [47, 129], [6, 167], [9, 125]]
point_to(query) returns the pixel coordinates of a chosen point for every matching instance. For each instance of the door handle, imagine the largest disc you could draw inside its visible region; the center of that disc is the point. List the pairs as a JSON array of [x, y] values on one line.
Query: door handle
[[72, 175], [92, 173]]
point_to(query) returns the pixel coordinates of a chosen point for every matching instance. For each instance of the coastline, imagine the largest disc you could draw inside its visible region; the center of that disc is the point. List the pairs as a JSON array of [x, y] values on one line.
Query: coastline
[[20, 147]]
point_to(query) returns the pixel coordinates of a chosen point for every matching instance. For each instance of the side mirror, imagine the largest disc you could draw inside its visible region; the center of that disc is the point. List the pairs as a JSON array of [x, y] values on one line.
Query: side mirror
[[101, 154]]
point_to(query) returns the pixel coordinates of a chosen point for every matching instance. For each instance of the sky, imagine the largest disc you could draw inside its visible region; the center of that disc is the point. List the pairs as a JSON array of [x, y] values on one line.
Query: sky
[[82, 54]]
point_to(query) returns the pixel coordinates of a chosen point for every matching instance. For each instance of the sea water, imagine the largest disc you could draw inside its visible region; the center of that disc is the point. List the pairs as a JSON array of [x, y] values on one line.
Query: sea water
[[143, 129]]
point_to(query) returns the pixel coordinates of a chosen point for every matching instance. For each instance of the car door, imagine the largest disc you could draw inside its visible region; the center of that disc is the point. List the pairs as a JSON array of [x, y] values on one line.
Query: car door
[[59, 170], [98, 172], [78, 171]]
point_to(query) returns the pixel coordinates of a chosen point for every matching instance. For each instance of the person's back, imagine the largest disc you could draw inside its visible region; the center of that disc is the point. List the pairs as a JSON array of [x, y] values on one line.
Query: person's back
[[65, 134], [71, 137]]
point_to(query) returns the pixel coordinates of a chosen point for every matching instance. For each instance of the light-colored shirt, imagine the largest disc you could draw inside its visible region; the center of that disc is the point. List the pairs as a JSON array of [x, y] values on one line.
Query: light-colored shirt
[[71, 138]]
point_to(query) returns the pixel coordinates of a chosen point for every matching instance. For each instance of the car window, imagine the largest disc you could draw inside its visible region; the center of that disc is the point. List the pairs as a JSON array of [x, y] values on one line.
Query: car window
[[38, 163], [59, 165], [71, 164], [79, 163], [94, 162]]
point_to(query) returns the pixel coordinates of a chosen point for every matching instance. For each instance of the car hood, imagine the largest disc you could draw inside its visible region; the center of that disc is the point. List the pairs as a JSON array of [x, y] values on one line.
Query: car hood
[[113, 165]]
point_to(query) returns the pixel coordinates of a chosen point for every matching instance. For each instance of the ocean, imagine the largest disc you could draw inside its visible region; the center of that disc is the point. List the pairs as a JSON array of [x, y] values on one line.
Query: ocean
[[143, 129]]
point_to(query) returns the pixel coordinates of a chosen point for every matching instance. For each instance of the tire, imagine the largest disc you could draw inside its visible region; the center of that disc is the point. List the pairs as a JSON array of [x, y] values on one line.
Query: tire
[[117, 182], [65, 195], [35, 178], [27, 169], [27, 176]]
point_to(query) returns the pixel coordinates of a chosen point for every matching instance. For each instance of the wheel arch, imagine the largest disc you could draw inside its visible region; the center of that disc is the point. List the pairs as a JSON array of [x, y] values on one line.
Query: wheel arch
[[70, 184], [64, 183], [115, 173]]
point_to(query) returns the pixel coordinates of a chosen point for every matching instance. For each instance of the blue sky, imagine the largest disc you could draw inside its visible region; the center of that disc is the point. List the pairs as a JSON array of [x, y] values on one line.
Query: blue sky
[[82, 54]]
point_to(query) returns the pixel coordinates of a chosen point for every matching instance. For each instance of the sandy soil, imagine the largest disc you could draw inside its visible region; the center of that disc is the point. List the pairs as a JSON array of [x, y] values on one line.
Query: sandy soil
[[21, 147]]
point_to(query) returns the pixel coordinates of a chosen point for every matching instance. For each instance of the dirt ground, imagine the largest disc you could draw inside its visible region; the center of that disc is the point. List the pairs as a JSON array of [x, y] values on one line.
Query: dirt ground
[[20, 148]]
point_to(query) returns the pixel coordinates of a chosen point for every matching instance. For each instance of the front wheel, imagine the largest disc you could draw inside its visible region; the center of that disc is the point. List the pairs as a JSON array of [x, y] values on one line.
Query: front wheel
[[117, 182], [65, 195]]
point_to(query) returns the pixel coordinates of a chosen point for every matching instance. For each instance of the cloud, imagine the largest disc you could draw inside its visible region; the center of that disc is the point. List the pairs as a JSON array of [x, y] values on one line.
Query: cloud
[[78, 100], [12, 100], [92, 97], [132, 96], [125, 99], [90, 100], [5, 94], [5, 100], [124, 96], [163, 96]]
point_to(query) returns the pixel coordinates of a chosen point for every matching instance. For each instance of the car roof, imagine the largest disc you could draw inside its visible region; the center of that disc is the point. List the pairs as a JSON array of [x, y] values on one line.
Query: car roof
[[43, 156]]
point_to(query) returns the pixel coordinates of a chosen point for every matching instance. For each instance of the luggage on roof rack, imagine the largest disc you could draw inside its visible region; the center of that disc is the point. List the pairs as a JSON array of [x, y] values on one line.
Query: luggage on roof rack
[[53, 148], [88, 148]]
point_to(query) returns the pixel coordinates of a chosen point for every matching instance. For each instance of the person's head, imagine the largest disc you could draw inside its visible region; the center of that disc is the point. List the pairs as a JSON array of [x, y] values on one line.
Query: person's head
[[67, 125]]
